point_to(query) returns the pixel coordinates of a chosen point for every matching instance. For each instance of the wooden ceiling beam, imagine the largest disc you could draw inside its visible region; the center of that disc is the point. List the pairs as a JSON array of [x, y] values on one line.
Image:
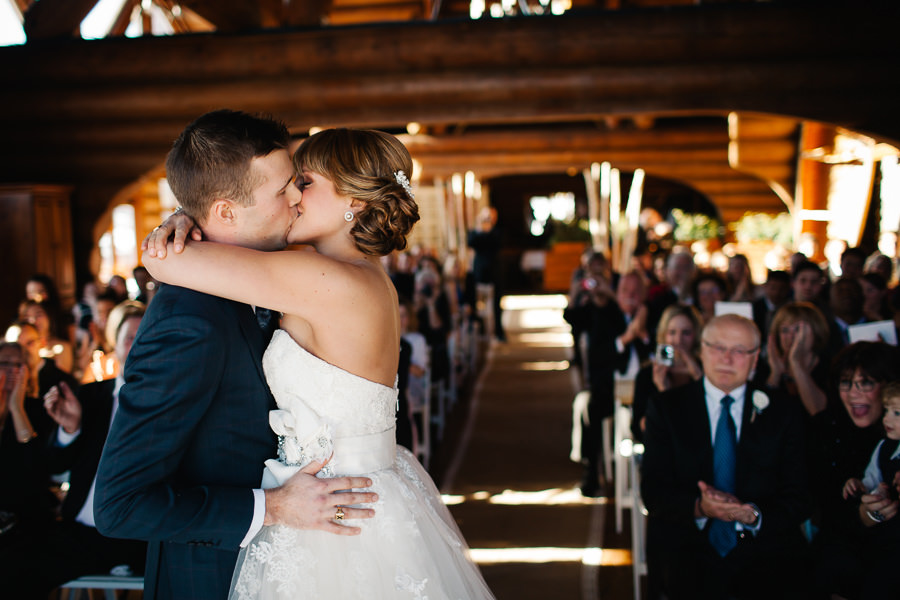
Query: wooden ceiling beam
[[49, 19], [228, 16], [305, 13]]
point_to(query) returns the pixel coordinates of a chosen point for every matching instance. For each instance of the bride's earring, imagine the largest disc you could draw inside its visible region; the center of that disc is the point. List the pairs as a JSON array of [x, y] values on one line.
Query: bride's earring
[[348, 216]]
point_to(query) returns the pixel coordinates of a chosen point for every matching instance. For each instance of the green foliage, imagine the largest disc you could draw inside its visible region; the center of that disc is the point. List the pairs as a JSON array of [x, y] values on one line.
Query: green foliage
[[694, 226], [577, 230], [762, 226]]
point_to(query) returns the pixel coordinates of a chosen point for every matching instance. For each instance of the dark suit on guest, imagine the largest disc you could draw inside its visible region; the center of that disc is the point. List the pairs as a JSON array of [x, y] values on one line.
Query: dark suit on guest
[[770, 472], [188, 442], [69, 548]]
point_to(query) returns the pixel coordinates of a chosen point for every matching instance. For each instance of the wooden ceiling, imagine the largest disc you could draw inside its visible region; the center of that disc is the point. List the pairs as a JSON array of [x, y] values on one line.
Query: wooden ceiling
[[638, 85]]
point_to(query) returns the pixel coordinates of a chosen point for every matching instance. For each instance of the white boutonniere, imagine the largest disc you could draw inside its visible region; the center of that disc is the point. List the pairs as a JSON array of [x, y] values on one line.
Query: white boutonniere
[[760, 402]]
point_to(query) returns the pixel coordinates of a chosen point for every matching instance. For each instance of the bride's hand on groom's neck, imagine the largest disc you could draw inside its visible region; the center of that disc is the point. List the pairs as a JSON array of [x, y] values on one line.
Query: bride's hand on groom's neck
[[177, 227]]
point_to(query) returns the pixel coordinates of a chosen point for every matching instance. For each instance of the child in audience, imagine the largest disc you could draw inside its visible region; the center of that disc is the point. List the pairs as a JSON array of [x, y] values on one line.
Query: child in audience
[[881, 474]]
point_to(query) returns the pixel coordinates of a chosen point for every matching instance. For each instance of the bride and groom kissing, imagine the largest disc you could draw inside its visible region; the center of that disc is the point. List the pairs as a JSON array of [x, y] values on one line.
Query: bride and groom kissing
[[213, 393]]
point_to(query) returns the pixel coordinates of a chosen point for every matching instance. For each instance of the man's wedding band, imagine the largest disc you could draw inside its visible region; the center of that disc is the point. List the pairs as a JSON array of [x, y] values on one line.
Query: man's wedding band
[[339, 514]]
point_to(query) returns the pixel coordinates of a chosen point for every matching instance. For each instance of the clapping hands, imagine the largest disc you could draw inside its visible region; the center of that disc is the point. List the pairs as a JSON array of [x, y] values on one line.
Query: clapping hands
[[63, 407], [716, 504]]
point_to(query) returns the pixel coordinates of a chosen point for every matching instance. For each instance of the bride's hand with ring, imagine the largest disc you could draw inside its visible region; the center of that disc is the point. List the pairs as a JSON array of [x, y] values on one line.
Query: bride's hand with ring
[[178, 226]]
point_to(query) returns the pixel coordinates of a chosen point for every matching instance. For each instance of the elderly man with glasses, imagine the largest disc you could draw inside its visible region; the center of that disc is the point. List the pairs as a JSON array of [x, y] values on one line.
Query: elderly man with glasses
[[724, 479]]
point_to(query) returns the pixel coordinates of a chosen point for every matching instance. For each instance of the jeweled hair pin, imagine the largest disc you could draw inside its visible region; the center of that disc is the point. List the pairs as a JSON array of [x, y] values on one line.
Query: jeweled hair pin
[[403, 180]]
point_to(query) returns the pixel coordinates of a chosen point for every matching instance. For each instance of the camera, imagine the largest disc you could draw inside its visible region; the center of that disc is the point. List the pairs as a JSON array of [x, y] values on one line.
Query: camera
[[665, 355], [427, 290], [588, 283]]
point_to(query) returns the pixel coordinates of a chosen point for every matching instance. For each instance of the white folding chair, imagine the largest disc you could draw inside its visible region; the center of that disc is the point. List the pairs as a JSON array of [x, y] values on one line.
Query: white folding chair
[[638, 521], [624, 392], [110, 584]]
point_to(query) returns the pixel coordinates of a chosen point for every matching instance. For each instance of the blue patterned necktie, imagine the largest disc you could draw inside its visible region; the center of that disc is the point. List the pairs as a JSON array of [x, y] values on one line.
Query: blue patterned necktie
[[721, 533], [263, 317]]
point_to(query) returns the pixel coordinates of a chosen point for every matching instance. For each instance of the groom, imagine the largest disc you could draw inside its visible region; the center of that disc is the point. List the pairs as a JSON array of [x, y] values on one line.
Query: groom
[[183, 462]]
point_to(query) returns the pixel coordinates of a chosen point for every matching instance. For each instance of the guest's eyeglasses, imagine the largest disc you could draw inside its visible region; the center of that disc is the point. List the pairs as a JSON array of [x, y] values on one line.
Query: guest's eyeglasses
[[863, 385], [739, 352], [10, 365]]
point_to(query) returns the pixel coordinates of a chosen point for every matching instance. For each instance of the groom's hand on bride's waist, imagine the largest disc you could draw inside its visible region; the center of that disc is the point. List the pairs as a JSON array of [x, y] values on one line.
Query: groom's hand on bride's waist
[[307, 502]]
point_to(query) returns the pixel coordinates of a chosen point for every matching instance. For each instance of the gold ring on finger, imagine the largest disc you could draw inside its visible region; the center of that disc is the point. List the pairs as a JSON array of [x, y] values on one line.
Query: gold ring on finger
[[339, 514]]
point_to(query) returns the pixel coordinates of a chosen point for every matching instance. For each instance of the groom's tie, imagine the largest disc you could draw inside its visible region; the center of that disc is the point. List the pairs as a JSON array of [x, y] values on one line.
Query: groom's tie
[[263, 317], [721, 533]]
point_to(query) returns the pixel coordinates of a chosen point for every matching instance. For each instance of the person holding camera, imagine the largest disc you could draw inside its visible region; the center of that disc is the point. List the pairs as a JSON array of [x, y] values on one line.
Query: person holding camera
[[434, 315], [674, 363], [594, 310]]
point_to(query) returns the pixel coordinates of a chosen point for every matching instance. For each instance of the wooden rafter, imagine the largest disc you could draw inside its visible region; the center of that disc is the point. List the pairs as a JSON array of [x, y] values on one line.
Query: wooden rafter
[[302, 13], [55, 18], [228, 15]]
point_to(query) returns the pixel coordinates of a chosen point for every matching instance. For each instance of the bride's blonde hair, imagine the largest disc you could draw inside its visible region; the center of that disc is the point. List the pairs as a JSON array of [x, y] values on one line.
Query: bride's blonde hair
[[364, 164]]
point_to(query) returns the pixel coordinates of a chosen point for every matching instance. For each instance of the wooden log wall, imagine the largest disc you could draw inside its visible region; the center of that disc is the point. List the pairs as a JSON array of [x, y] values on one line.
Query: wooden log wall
[[98, 115]]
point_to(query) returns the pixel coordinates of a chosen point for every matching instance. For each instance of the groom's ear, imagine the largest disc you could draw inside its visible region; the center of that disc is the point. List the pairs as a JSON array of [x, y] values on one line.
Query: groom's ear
[[222, 212]]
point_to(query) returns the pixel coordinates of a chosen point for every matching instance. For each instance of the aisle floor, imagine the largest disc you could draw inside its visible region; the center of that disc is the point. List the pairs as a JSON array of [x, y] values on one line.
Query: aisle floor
[[505, 470]]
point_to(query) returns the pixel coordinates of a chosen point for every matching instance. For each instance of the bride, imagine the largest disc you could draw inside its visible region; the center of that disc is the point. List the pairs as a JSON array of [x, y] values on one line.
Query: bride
[[332, 368]]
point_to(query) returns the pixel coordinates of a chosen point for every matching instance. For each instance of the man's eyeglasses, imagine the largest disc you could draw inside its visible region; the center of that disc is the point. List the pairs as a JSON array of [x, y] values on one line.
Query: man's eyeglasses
[[10, 365], [863, 385], [739, 352]]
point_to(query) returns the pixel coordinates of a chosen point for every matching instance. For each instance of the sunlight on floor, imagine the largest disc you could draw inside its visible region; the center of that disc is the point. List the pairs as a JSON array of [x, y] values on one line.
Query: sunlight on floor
[[546, 301], [603, 557], [550, 497], [553, 365], [547, 339]]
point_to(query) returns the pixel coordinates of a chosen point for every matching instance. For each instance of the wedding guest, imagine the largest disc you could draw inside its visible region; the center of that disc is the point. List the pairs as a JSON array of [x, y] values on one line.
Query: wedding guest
[[598, 315], [675, 287], [594, 267], [775, 292], [797, 358], [876, 297], [145, 283], [708, 289], [433, 315], [486, 241], [882, 265], [844, 436], [26, 503], [417, 382], [51, 346], [41, 374], [42, 288], [740, 279], [724, 479], [403, 273], [117, 287], [852, 262], [71, 546], [807, 283], [679, 328], [846, 302]]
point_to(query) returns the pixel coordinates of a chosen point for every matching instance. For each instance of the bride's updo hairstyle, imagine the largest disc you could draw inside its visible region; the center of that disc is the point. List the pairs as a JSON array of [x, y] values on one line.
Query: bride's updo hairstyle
[[372, 167]]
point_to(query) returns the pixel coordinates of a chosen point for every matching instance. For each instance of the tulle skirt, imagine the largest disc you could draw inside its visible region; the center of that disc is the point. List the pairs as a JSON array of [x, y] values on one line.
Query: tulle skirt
[[412, 548]]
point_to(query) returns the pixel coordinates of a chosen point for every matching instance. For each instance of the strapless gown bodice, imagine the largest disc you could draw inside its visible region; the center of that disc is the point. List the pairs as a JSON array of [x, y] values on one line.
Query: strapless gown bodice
[[412, 548]]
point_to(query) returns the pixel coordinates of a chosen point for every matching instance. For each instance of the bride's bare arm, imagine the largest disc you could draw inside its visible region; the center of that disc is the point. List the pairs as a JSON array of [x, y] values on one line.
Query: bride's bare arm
[[292, 282]]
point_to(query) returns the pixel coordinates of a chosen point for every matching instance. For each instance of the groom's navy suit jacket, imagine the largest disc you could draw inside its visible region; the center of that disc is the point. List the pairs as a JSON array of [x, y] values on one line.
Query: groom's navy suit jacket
[[188, 442]]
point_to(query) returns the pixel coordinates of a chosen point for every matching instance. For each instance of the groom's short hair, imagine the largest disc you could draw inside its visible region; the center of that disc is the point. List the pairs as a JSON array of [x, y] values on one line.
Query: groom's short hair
[[211, 158]]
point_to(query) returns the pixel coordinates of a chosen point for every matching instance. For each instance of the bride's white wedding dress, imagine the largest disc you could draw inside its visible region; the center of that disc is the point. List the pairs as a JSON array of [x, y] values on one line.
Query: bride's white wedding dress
[[412, 548]]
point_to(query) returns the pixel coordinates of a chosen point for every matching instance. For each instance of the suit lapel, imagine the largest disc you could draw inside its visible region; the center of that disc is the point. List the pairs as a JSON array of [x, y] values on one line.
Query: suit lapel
[[698, 420], [255, 337]]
